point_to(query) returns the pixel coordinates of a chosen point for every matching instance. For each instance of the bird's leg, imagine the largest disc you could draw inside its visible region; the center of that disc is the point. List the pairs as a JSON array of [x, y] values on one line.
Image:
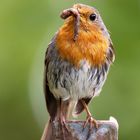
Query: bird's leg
[[62, 116], [89, 118]]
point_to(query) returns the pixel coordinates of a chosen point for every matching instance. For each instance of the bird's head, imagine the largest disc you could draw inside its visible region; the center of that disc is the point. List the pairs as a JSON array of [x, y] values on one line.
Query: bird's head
[[84, 18], [83, 36]]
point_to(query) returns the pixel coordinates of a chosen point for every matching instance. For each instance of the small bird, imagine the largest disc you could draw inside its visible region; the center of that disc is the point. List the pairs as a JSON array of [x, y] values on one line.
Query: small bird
[[77, 62]]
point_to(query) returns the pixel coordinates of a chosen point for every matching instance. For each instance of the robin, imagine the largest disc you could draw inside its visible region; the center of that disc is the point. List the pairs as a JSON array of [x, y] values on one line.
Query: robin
[[77, 62]]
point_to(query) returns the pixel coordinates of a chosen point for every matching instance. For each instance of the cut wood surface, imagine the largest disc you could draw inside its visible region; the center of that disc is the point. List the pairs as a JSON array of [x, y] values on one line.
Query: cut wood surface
[[107, 130]]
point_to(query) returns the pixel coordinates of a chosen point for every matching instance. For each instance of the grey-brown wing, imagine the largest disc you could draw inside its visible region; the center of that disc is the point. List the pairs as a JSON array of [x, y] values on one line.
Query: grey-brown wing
[[51, 102]]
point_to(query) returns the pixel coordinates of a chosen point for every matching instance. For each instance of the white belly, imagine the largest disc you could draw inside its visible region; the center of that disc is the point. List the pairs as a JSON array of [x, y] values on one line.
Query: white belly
[[73, 83]]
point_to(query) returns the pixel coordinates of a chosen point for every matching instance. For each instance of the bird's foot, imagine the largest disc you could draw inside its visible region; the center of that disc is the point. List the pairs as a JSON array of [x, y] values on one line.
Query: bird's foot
[[92, 123], [63, 123], [63, 127]]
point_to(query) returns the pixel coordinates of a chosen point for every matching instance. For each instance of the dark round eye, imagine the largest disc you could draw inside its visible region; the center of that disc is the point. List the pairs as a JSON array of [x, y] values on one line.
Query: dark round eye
[[92, 17]]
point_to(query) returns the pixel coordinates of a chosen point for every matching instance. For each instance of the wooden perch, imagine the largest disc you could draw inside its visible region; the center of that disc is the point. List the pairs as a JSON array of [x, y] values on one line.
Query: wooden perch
[[107, 130]]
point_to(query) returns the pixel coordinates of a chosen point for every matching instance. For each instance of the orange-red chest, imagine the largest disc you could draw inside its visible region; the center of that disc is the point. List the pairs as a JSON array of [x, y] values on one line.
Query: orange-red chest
[[90, 46]]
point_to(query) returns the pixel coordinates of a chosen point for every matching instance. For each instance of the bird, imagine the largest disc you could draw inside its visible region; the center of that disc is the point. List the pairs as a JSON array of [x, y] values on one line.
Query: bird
[[77, 62]]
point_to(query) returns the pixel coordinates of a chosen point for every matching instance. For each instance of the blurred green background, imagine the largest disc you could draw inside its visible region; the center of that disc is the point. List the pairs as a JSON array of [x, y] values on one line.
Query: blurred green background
[[26, 27]]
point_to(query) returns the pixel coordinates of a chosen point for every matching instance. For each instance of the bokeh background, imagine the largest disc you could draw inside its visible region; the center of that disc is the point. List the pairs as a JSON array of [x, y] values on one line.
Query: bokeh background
[[26, 27]]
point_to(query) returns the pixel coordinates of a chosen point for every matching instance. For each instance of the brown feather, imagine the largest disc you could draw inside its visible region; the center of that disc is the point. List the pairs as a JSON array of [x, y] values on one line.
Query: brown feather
[[79, 107], [51, 101]]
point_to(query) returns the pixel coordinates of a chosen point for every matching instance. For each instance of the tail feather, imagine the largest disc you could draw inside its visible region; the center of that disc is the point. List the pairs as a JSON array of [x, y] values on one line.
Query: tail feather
[[79, 106]]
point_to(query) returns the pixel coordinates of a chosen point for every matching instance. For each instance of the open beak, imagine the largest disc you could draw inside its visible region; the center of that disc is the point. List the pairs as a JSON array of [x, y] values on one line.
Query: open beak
[[72, 12]]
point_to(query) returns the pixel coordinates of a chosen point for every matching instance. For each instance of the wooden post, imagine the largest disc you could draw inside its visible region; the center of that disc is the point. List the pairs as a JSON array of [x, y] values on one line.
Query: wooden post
[[107, 130]]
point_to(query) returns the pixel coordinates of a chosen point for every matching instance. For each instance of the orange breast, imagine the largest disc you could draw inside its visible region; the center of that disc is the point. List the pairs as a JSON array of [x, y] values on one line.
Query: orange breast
[[90, 45]]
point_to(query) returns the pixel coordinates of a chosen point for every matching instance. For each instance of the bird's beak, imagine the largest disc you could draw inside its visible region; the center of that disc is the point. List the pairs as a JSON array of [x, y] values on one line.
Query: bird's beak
[[72, 12]]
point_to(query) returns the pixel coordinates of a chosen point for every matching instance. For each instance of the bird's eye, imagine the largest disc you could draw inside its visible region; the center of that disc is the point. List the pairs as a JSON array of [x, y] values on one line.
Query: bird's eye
[[92, 17]]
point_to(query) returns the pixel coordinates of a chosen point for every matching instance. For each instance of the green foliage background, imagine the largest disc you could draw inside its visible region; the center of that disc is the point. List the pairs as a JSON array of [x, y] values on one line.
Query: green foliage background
[[26, 27]]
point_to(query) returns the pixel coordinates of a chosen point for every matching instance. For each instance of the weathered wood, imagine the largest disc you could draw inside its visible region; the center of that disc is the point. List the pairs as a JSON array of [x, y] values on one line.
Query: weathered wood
[[107, 130]]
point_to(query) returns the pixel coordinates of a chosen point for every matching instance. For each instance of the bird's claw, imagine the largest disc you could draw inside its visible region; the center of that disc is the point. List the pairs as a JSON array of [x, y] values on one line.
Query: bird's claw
[[92, 123], [64, 124]]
